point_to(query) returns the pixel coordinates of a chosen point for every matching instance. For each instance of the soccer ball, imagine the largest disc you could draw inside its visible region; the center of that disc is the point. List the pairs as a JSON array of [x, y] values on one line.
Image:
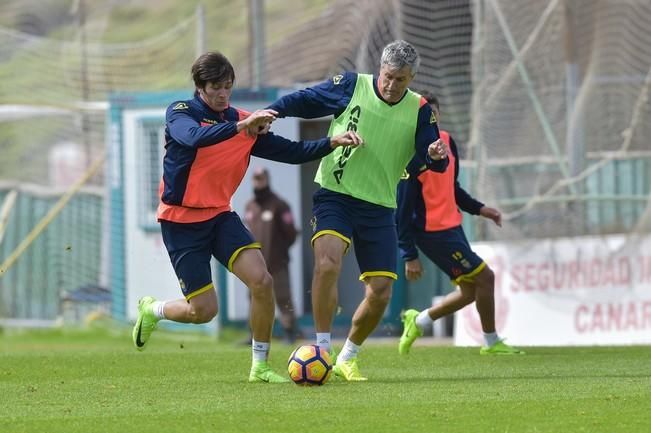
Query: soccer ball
[[309, 365]]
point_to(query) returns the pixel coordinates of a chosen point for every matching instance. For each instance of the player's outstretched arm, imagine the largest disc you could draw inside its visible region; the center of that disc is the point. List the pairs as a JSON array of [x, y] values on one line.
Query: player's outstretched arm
[[406, 197], [465, 201], [492, 214], [327, 98], [437, 150], [429, 147], [186, 130], [281, 149], [348, 138]]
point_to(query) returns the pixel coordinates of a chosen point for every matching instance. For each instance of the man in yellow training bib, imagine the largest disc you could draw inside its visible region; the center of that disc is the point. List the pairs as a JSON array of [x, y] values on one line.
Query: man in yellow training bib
[[357, 199]]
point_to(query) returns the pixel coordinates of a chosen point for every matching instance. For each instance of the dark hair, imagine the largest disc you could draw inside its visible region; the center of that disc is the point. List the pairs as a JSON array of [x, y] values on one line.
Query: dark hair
[[261, 172], [212, 67], [430, 98]]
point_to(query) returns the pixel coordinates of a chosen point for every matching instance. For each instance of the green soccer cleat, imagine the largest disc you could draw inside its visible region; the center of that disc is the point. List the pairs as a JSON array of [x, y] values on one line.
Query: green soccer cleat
[[261, 372], [500, 348], [145, 324], [349, 370], [410, 332]]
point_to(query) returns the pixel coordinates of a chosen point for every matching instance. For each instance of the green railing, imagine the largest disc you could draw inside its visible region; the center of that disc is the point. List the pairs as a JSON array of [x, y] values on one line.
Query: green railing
[[64, 258], [611, 199]]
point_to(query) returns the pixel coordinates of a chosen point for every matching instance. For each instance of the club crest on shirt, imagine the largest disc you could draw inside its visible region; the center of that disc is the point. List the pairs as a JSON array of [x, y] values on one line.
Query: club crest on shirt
[[337, 79], [432, 118], [180, 106], [404, 175]]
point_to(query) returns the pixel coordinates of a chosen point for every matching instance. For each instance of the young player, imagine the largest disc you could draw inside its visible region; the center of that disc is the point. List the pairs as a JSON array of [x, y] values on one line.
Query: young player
[[208, 147]]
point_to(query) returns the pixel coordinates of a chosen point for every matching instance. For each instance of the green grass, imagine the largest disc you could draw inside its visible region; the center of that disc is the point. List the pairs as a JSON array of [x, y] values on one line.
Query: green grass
[[73, 381]]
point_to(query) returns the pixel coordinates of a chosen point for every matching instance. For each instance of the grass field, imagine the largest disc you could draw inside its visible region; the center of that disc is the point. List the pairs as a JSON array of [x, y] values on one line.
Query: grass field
[[93, 381]]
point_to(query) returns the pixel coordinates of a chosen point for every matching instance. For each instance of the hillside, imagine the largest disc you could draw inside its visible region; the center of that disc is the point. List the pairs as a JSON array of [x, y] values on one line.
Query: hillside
[[129, 46]]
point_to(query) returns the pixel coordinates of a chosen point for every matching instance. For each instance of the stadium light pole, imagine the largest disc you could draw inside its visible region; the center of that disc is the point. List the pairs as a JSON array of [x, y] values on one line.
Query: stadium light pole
[[79, 10], [201, 29], [256, 42], [574, 125]]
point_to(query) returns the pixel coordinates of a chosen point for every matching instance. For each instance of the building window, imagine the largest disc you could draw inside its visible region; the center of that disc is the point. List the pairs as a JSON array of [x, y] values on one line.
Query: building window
[[150, 157]]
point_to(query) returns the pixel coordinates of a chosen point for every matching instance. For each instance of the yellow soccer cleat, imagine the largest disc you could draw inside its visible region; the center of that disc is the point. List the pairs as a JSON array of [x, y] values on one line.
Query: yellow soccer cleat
[[261, 372], [349, 370], [500, 348], [410, 332], [146, 323]]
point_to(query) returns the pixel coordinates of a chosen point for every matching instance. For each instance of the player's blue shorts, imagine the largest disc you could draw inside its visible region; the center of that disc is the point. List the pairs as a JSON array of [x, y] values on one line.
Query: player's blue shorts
[[191, 245], [370, 227], [450, 251]]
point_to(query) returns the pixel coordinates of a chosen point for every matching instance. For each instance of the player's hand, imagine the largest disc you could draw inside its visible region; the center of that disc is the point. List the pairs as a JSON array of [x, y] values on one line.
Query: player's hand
[[262, 129], [437, 150], [413, 269], [261, 117], [491, 214], [257, 122], [348, 138]]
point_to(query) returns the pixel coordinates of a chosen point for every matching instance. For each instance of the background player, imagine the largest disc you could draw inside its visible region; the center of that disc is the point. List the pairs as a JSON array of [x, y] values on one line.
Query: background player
[[428, 216]]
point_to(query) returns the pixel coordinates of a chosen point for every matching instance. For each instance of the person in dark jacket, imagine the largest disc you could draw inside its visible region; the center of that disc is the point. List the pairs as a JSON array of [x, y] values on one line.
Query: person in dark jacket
[[270, 219]]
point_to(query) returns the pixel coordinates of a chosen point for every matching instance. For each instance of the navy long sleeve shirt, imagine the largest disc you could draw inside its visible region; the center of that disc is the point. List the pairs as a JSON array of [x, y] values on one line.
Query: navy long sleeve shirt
[[331, 97]]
